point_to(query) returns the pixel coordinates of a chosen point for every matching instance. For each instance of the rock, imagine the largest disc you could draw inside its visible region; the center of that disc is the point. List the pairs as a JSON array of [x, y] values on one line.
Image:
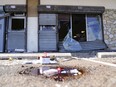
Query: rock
[[111, 36], [106, 37]]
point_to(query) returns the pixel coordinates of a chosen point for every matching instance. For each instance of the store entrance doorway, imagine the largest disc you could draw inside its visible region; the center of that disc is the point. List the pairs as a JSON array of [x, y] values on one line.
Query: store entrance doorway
[[63, 29], [79, 27]]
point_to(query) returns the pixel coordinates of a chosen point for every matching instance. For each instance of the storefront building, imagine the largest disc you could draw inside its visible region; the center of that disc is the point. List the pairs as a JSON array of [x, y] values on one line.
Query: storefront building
[[57, 26]]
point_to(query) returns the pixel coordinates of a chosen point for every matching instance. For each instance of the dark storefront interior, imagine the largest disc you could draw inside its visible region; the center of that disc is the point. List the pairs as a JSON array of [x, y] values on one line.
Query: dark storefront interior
[[79, 27], [63, 25]]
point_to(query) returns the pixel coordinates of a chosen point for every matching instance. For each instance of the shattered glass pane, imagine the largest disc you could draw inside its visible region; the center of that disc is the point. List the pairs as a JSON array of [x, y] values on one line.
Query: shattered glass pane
[[70, 44], [94, 31]]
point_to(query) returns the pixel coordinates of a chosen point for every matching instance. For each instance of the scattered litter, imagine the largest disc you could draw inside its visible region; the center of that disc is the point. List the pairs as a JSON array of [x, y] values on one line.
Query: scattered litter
[[31, 62], [45, 59], [56, 73], [28, 63], [75, 71], [42, 69], [58, 78], [48, 60], [10, 59], [50, 72], [53, 62], [53, 57], [36, 61]]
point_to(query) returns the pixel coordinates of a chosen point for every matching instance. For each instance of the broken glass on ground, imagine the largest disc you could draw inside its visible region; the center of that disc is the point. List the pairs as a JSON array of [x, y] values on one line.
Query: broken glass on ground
[[57, 73]]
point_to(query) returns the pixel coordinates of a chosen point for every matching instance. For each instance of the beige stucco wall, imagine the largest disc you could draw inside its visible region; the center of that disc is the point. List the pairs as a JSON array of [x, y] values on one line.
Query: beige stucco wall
[[110, 4], [3, 2]]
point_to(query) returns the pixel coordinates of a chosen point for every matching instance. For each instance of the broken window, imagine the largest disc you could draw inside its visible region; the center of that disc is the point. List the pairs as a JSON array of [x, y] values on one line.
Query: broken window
[[17, 24], [94, 30], [86, 33], [64, 25], [86, 27]]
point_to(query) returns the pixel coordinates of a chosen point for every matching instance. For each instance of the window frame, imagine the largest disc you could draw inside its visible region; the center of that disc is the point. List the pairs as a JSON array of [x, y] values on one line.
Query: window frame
[[100, 25], [10, 24]]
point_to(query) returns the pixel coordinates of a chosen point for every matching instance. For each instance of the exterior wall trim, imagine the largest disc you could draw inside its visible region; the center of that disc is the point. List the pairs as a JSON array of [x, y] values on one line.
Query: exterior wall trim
[[70, 9], [15, 8]]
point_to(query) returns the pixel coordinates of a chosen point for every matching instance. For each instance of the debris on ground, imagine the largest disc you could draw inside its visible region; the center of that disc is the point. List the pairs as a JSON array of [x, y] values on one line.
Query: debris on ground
[[50, 72], [31, 61], [58, 73], [10, 59]]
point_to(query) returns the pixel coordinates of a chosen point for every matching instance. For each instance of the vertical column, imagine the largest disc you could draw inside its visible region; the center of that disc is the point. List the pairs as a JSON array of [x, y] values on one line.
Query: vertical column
[[32, 25]]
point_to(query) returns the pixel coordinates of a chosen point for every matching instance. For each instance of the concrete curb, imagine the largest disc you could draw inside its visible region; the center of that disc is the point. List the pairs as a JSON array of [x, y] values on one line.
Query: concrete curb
[[101, 54], [32, 55]]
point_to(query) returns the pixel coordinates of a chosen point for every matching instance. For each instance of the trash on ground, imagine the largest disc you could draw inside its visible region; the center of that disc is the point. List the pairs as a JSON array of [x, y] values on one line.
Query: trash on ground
[[10, 59], [31, 62], [57, 73], [53, 62], [53, 57], [45, 60], [50, 72]]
